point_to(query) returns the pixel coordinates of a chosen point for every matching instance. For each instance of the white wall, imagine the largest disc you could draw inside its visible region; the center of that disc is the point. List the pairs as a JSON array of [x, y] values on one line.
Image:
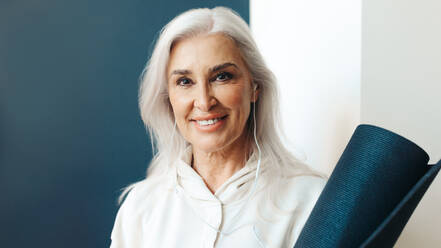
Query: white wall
[[314, 48], [401, 91]]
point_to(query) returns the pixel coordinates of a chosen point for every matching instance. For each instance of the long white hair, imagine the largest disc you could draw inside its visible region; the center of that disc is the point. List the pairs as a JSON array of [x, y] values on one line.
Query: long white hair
[[155, 108]]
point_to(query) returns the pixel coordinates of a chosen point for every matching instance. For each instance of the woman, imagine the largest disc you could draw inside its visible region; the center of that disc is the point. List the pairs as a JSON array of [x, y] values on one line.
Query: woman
[[221, 176]]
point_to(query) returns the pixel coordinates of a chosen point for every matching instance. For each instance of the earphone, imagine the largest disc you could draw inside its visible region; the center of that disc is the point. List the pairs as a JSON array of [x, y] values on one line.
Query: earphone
[[255, 86]]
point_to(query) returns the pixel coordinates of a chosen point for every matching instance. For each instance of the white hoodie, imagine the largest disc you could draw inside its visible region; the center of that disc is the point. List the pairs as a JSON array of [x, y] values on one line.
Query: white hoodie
[[179, 210]]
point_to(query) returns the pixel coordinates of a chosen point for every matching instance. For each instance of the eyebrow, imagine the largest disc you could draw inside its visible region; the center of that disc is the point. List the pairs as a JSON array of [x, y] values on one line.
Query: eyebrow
[[222, 66], [211, 70]]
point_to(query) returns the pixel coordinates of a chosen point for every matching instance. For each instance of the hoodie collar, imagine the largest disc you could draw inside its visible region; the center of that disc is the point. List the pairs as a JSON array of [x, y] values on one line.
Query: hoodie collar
[[233, 189]]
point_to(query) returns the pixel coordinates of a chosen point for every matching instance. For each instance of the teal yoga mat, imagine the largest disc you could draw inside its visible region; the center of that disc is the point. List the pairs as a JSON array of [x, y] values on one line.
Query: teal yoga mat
[[371, 194]]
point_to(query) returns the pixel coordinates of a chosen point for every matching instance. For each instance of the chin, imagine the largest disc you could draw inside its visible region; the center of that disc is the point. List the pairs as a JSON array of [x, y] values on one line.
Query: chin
[[208, 146]]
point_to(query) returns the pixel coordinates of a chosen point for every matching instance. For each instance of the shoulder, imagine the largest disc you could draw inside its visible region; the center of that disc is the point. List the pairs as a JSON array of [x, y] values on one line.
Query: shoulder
[[307, 185], [145, 191], [304, 185], [299, 192], [295, 180], [135, 208]]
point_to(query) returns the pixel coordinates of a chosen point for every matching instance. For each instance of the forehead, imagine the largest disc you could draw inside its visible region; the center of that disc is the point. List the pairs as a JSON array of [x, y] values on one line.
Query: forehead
[[203, 51]]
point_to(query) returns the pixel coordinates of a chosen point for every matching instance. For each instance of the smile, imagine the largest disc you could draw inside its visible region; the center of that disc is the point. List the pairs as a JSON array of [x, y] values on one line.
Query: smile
[[208, 122], [209, 125]]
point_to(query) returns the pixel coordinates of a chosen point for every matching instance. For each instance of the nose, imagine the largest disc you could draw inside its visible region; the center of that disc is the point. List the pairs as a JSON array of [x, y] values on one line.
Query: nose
[[204, 99]]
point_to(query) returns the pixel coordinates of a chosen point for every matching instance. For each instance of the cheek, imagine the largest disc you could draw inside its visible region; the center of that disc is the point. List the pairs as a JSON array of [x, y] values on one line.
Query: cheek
[[180, 106], [235, 97], [239, 101], [180, 109]]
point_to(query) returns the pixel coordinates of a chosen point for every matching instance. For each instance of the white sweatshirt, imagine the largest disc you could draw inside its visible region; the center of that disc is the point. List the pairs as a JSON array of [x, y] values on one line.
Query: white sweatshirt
[[179, 210]]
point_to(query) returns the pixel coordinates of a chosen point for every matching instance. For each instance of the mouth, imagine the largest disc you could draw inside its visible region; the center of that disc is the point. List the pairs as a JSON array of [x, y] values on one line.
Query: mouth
[[209, 123], [203, 121]]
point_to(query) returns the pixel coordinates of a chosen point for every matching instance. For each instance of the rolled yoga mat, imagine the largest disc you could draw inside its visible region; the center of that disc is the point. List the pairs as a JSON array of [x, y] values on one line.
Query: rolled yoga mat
[[371, 194]]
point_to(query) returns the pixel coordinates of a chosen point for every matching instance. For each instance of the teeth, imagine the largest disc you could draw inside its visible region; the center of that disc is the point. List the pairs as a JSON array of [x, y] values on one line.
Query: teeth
[[208, 122]]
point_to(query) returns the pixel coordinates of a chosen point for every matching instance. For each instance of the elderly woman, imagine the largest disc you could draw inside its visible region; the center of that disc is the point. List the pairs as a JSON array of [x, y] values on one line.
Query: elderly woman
[[221, 176]]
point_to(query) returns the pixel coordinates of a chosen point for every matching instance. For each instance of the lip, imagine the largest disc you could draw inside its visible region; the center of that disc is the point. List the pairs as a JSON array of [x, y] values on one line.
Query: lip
[[209, 128], [207, 117]]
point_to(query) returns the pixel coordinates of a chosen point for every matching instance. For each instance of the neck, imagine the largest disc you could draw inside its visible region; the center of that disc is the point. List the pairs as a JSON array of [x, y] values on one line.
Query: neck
[[216, 167]]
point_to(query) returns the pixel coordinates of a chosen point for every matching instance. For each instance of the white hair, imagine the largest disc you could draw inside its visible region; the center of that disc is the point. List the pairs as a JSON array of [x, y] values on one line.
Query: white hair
[[156, 112]]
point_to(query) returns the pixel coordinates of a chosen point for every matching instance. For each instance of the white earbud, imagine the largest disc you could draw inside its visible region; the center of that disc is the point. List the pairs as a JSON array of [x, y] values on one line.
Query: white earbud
[[254, 91]]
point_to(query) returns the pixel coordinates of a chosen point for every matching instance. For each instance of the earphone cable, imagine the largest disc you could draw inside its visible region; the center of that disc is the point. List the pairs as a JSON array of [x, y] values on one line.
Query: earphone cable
[[234, 219]]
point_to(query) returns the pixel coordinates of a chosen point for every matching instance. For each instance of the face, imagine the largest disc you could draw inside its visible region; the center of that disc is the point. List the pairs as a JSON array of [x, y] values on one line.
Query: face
[[210, 91]]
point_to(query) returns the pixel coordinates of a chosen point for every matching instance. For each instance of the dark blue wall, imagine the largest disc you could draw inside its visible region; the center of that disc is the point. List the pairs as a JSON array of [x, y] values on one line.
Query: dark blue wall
[[70, 132]]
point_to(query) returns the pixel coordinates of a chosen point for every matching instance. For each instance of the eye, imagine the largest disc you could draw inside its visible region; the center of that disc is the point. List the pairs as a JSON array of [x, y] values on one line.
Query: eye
[[183, 82], [223, 76]]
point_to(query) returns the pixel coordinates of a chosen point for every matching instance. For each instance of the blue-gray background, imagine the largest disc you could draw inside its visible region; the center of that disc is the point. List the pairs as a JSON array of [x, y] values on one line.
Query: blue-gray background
[[70, 132]]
